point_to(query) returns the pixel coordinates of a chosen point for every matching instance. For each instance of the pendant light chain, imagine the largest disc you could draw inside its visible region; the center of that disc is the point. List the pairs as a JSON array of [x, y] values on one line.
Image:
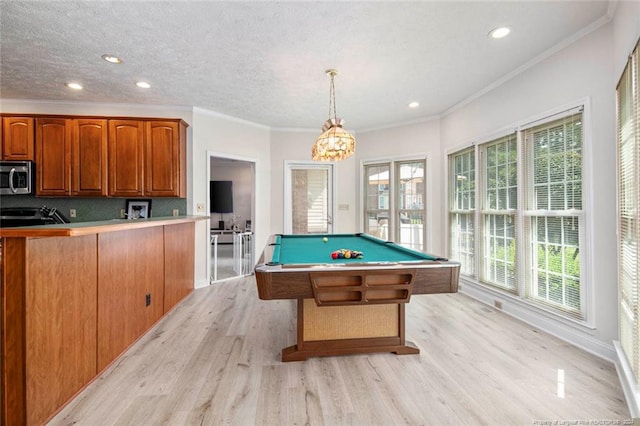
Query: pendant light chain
[[332, 99], [332, 93]]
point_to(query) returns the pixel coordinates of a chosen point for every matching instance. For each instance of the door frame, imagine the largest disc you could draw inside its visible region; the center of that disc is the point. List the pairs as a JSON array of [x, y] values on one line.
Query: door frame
[[226, 156], [288, 166]]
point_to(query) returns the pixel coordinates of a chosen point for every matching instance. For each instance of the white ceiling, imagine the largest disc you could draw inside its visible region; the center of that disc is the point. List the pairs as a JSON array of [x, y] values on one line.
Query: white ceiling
[[265, 61]]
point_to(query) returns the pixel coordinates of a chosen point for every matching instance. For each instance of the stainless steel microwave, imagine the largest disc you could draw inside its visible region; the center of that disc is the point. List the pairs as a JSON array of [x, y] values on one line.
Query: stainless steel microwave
[[16, 177]]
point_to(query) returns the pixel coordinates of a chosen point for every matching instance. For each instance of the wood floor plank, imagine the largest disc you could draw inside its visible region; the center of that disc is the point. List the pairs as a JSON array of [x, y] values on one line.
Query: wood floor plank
[[215, 359]]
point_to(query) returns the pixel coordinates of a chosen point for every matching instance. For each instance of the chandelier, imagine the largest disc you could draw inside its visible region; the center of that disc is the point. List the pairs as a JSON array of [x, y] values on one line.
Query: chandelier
[[334, 143]]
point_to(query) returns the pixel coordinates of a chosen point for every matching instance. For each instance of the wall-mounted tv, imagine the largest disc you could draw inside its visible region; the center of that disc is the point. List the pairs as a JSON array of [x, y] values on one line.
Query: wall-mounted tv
[[221, 196]]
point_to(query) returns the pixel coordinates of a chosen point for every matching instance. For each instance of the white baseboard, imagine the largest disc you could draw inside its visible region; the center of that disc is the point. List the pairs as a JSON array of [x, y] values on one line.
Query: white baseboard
[[201, 283], [563, 329], [627, 381]]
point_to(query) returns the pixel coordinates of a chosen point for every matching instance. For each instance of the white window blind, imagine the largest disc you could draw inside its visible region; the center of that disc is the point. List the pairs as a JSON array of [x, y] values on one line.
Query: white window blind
[[628, 120]]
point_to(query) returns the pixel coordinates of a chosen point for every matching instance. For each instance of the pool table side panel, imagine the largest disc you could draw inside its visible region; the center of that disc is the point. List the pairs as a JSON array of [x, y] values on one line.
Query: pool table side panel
[[273, 284]]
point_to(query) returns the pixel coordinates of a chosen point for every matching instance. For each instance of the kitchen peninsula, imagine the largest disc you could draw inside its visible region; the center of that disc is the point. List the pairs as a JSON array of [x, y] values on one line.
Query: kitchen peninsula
[[75, 296]]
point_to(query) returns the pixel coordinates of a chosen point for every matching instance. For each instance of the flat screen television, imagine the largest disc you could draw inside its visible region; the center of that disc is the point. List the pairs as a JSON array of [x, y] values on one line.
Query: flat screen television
[[221, 196]]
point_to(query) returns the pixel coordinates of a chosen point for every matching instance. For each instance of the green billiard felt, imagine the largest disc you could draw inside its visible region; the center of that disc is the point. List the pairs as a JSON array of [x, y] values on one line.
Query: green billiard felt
[[309, 249]]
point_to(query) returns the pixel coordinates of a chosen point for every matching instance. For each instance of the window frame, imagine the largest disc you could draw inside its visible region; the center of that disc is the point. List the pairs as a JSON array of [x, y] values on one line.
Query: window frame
[[519, 295]]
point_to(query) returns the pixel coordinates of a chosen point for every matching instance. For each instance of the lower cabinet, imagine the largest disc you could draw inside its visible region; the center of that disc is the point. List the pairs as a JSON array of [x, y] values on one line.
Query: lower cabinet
[[130, 288], [73, 304], [60, 323]]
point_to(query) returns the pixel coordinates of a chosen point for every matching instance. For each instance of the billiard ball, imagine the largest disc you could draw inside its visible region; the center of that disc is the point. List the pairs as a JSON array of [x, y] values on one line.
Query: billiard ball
[[325, 239]]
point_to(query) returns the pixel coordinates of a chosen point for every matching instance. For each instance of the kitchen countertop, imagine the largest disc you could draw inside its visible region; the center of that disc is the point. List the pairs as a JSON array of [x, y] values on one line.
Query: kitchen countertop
[[85, 228]]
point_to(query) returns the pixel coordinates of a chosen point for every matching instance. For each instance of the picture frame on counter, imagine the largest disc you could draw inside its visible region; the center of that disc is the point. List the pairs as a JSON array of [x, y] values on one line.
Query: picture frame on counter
[[138, 209]]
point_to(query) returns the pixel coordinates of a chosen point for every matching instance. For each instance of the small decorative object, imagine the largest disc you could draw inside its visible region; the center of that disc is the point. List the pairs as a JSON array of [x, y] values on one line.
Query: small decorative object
[[235, 219], [138, 209], [347, 254]]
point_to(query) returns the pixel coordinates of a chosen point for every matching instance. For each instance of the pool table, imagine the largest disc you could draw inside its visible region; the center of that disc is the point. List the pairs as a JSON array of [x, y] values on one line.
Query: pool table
[[349, 305]]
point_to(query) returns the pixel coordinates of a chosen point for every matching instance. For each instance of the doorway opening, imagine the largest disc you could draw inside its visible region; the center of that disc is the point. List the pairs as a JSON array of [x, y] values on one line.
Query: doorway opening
[[231, 206]]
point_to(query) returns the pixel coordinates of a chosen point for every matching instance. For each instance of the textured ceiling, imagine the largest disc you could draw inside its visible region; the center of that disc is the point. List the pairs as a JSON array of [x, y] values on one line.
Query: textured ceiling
[[265, 61]]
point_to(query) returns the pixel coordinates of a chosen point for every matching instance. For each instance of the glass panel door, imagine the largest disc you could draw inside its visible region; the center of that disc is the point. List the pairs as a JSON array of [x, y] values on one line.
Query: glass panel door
[[411, 213], [377, 206], [309, 199]]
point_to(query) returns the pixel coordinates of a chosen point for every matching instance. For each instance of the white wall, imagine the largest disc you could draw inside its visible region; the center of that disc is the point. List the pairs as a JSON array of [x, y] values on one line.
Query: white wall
[[226, 136], [420, 139], [296, 146], [584, 69], [626, 31]]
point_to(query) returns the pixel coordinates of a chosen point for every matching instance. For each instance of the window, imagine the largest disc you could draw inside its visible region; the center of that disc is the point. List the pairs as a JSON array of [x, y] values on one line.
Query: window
[[530, 222], [462, 209], [500, 202], [628, 112], [395, 195], [554, 216]]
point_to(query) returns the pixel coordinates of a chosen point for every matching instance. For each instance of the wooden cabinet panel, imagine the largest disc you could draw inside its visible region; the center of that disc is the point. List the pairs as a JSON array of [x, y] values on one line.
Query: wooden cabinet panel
[[60, 321], [53, 157], [12, 384], [130, 267], [162, 159], [179, 241], [89, 173], [17, 138], [126, 153]]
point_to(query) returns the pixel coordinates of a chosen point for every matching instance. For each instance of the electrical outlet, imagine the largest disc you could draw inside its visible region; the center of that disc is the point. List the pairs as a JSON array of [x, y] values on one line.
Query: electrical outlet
[[122, 215], [176, 212], [72, 212]]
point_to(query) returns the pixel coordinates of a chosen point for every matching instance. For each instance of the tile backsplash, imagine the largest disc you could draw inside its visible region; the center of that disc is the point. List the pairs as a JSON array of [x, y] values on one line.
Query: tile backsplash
[[91, 209]]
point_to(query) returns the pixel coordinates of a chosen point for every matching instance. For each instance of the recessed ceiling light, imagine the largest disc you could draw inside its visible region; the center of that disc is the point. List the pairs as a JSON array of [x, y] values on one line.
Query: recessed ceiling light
[[143, 84], [111, 58], [74, 86], [500, 32], [414, 104]]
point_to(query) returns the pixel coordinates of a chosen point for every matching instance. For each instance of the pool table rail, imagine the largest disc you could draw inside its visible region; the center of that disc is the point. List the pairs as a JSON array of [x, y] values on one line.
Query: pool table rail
[[278, 282]]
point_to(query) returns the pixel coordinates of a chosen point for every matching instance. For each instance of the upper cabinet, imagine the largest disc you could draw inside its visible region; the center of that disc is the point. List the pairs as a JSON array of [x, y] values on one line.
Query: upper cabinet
[[53, 157], [165, 159], [89, 174], [99, 156], [126, 152], [147, 158], [17, 138]]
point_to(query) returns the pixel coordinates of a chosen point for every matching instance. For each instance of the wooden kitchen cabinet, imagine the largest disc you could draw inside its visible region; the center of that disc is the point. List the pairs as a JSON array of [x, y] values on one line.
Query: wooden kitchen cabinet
[[179, 241], [165, 159], [130, 288], [49, 324], [89, 174], [18, 138], [147, 158], [53, 157], [74, 299], [126, 158]]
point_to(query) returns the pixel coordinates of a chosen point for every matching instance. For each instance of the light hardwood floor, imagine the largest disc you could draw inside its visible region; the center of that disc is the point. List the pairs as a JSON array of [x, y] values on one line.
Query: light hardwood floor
[[216, 360]]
